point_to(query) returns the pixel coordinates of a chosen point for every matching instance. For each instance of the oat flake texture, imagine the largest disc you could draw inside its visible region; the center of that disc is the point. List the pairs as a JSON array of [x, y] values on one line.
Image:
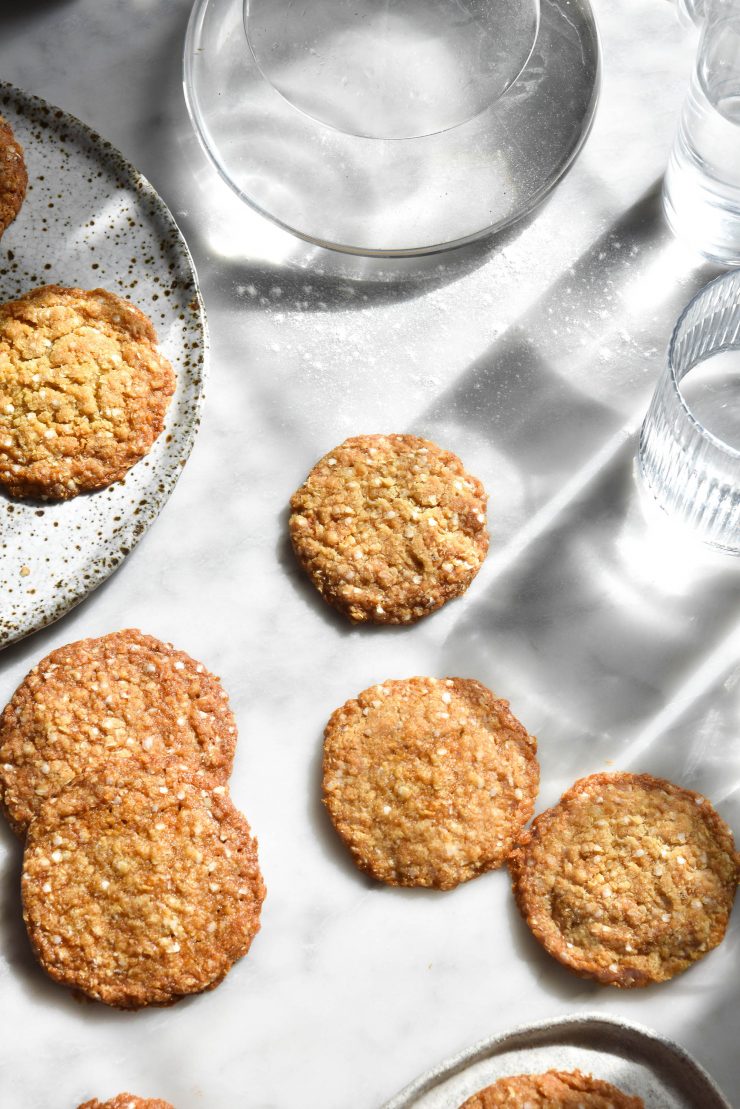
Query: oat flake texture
[[138, 892], [629, 879], [389, 528], [125, 698], [552, 1090], [13, 176], [83, 391], [127, 1101], [428, 781]]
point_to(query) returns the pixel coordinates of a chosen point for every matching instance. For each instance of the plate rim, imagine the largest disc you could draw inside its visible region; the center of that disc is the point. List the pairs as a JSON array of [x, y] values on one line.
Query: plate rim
[[455, 1064], [135, 529], [198, 124]]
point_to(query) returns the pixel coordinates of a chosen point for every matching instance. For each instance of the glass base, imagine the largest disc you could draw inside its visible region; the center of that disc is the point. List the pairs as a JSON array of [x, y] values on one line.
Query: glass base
[[392, 197]]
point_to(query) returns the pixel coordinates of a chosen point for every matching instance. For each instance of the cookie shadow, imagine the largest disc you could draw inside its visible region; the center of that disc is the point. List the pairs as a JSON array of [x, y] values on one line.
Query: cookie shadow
[[553, 978]]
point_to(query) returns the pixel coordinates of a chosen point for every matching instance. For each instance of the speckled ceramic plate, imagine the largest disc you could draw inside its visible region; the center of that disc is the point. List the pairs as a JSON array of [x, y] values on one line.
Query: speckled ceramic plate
[[89, 219], [634, 1059]]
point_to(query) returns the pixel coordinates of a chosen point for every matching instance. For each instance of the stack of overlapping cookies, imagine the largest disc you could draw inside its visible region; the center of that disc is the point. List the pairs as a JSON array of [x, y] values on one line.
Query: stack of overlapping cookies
[[140, 878]]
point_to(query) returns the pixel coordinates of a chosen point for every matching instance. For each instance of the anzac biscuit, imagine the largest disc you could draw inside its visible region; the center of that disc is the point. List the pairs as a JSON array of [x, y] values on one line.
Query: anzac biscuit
[[127, 1101], [13, 176], [552, 1090], [389, 527], [139, 891], [124, 697], [628, 879], [429, 782], [83, 391]]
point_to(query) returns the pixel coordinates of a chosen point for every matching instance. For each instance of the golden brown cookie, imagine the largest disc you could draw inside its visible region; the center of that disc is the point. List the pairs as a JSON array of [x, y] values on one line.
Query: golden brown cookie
[[127, 1101], [124, 698], [552, 1090], [13, 176], [389, 527], [83, 391], [628, 879], [139, 891], [428, 781]]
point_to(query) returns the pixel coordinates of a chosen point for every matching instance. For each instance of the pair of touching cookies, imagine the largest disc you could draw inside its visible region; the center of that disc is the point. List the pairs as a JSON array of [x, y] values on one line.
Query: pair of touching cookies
[[83, 388], [628, 880], [141, 882]]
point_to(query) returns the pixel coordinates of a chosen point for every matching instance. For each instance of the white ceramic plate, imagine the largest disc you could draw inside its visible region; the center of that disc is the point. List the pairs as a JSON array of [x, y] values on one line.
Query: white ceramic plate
[[635, 1060], [89, 219]]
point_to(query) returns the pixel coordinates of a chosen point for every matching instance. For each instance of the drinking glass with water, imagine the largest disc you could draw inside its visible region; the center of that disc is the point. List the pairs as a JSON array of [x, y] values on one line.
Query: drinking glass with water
[[701, 191]]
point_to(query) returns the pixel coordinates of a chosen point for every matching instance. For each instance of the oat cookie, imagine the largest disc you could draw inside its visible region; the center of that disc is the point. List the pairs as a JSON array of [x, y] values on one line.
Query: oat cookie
[[389, 528], [552, 1090], [125, 697], [429, 782], [139, 891], [83, 391], [127, 1101], [13, 176], [628, 879]]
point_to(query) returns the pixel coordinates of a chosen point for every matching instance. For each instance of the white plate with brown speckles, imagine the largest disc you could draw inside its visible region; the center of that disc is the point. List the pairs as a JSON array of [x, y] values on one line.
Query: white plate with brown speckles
[[632, 1058], [91, 220]]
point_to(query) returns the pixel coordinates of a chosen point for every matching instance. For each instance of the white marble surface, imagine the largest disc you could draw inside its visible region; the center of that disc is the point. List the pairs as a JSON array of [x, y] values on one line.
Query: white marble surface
[[616, 645]]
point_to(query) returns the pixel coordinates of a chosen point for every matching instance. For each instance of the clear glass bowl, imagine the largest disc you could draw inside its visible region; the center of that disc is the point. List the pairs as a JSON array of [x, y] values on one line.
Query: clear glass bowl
[[391, 196]]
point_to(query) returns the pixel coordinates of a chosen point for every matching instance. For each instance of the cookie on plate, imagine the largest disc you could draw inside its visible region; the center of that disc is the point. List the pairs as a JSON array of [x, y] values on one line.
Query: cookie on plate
[[389, 528], [13, 176], [552, 1090], [429, 782], [139, 891], [83, 391], [629, 879], [125, 698], [127, 1101]]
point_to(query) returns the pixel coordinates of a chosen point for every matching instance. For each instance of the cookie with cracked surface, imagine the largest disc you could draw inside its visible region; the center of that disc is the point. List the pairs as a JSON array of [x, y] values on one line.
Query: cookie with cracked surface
[[629, 879], [140, 891], [389, 528], [127, 1101], [124, 698], [552, 1090], [13, 176], [428, 781], [83, 391]]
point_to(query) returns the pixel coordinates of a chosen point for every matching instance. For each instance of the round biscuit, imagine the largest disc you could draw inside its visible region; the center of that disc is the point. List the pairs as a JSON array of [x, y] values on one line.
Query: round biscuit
[[139, 891], [629, 879], [428, 781], [13, 176], [552, 1090], [389, 528], [127, 1101], [83, 391], [125, 698]]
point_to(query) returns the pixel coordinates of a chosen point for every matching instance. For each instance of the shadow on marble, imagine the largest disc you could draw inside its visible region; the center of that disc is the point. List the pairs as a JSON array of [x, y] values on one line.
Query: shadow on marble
[[310, 279], [12, 12], [551, 977]]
